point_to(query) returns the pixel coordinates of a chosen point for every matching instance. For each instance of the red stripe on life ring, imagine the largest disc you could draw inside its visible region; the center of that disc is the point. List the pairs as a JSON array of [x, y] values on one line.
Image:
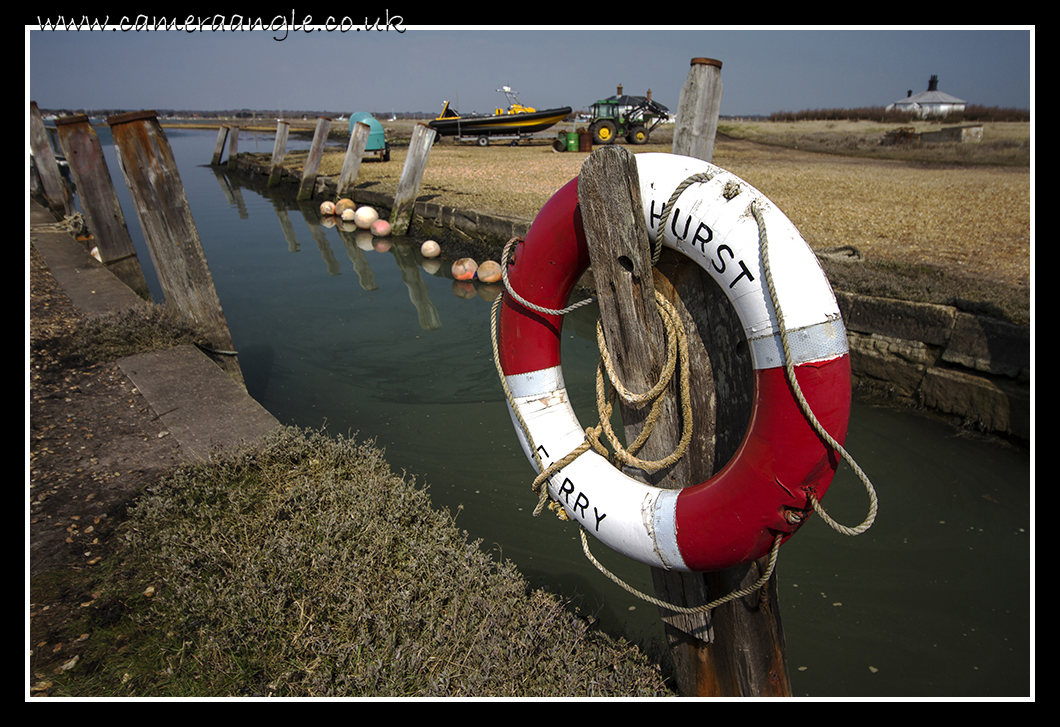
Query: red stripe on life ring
[[543, 268]]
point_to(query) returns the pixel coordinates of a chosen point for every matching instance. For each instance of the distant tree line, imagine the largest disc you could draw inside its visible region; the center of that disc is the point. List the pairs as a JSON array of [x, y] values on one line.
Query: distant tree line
[[880, 114]]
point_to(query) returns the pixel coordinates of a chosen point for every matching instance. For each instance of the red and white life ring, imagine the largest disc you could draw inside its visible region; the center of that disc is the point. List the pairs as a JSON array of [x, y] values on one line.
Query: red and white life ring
[[735, 516]]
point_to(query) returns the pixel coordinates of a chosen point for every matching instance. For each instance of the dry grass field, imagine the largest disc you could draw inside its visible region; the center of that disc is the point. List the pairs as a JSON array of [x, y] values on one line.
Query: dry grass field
[[961, 211]]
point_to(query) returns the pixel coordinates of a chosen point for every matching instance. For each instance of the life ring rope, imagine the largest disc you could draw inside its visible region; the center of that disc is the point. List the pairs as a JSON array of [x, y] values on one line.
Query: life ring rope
[[592, 433], [789, 369], [523, 301]]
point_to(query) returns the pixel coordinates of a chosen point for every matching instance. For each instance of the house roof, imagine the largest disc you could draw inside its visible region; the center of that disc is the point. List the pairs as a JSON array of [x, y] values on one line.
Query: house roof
[[929, 97], [932, 97]]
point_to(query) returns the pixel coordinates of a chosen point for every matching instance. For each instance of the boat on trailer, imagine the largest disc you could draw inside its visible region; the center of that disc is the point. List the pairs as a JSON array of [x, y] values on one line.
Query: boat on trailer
[[515, 123]]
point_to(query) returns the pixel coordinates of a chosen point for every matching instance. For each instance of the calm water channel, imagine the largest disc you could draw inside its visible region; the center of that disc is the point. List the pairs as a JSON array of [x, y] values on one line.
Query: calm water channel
[[934, 601]]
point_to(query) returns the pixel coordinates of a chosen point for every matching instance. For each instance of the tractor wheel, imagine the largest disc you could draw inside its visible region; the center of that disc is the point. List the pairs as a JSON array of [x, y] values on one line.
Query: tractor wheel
[[604, 132], [637, 135]]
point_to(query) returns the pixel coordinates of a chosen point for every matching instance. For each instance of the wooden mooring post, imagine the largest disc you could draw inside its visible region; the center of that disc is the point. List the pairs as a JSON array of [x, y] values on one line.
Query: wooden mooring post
[[698, 109], [233, 146], [99, 201], [737, 649], [219, 147], [279, 149], [55, 191], [411, 176], [312, 162], [151, 174], [351, 163]]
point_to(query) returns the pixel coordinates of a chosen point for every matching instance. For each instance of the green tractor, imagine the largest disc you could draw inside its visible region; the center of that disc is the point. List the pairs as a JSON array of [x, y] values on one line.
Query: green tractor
[[633, 117]]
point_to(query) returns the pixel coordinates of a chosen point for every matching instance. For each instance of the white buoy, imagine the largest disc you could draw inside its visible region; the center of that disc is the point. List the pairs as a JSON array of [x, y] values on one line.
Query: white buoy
[[430, 249], [327, 207], [365, 216]]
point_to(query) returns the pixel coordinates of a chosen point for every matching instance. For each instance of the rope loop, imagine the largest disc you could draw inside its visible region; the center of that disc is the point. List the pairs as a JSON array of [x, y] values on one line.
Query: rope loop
[[523, 301], [762, 580]]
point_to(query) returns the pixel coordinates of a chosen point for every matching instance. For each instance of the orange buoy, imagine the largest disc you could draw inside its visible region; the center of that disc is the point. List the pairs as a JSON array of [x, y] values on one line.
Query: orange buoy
[[489, 271], [344, 204], [380, 228], [464, 268]]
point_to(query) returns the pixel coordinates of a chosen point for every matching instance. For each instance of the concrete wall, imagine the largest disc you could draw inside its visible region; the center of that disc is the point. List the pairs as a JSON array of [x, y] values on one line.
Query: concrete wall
[[971, 134]]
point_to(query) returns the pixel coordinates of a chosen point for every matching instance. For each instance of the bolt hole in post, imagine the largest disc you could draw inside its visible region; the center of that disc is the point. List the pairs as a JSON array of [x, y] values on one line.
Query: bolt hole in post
[[626, 263]]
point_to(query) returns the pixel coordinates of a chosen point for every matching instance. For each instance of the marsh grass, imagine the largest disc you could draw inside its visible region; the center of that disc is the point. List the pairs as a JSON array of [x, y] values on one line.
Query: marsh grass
[[110, 336], [305, 567]]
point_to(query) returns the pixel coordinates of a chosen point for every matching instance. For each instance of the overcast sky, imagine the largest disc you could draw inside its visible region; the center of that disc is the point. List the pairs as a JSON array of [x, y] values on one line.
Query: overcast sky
[[764, 70]]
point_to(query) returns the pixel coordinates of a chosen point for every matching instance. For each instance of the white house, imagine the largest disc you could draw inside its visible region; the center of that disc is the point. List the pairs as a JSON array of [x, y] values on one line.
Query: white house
[[932, 102]]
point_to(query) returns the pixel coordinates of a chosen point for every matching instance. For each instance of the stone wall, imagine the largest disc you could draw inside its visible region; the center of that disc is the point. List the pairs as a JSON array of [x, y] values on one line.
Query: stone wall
[[973, 367]]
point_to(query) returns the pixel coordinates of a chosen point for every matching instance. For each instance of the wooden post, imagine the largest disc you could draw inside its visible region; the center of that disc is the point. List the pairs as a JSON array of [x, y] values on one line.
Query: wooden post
[[411, 175], [55, 191], [279, 148], [698, 110], [312, 162], [151, 174], [233, 146], [219, 147], [728, 652], [351, 164], [743, 653], [99, 202]]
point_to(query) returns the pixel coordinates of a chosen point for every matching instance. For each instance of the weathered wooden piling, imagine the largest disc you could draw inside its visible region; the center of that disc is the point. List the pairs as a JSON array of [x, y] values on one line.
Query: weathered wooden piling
[[279, 149], [53, 188], [219, 147], [698, 109], [739, 649], [312, 162], [151, 174], [351, 164], [411, 175], [99, 201], [233, 146]]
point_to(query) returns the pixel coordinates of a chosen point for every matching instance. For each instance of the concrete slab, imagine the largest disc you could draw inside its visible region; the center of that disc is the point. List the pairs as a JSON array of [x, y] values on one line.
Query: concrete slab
[[198, 402]]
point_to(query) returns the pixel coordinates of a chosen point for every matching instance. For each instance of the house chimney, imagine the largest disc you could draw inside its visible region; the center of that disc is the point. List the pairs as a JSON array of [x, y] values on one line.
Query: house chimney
[[620, 89], [933, 84], [909, 93], [649, 94]]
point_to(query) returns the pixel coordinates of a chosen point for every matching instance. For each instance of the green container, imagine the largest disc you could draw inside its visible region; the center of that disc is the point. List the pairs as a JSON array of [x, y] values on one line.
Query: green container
[[572, 141]]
